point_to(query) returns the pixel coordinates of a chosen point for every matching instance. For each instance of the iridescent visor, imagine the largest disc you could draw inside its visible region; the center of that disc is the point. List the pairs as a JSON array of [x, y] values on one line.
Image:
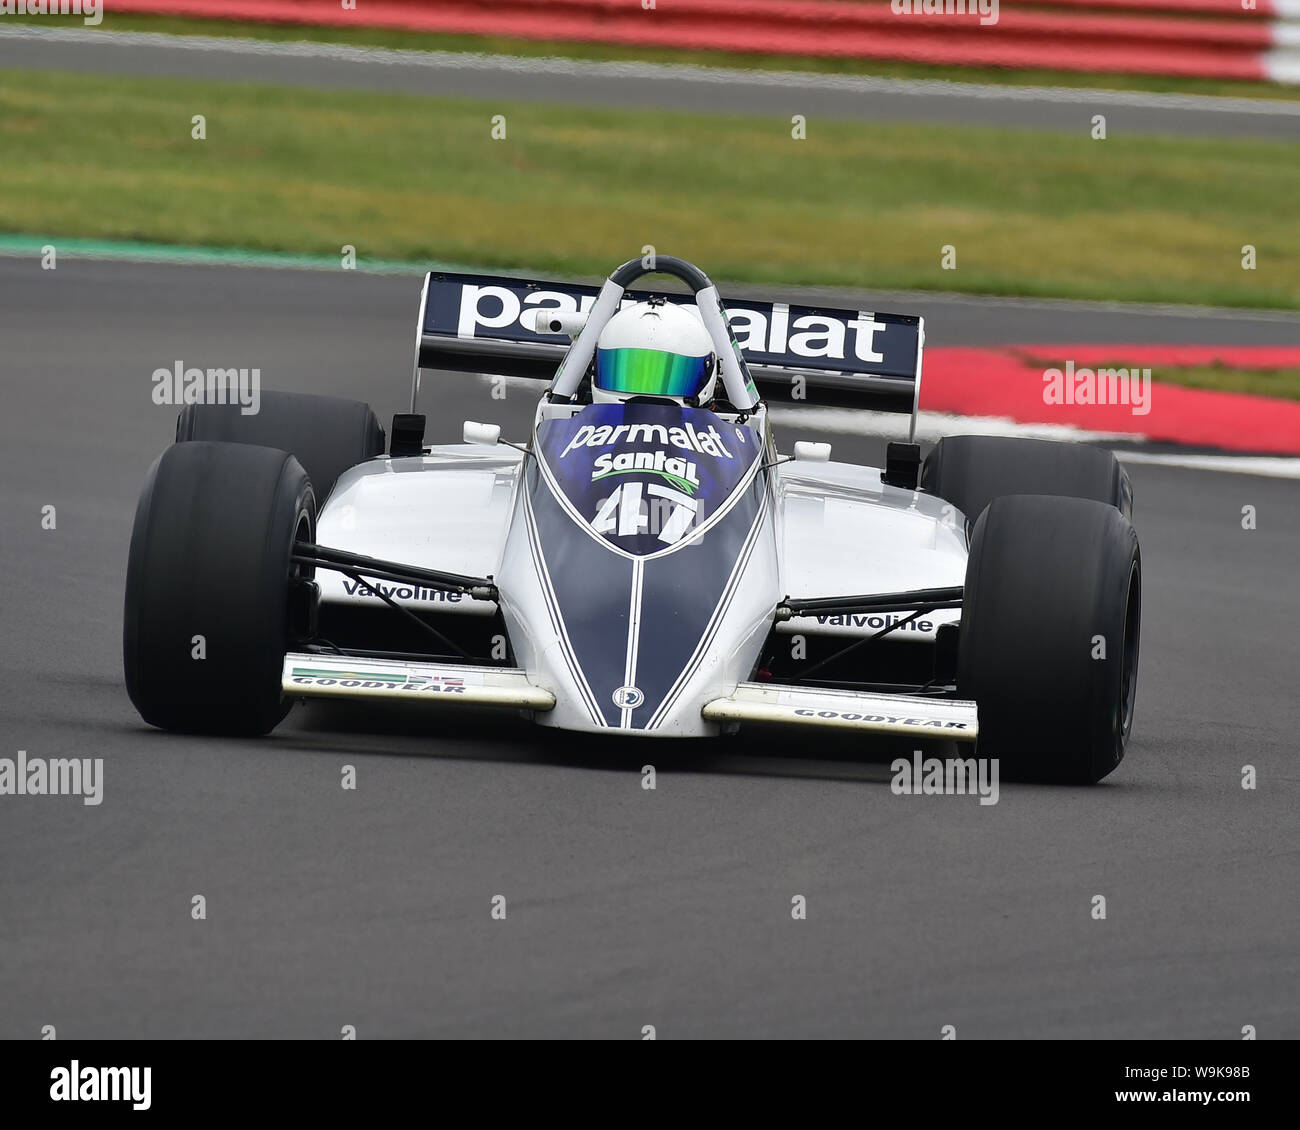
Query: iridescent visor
[[649, 372]]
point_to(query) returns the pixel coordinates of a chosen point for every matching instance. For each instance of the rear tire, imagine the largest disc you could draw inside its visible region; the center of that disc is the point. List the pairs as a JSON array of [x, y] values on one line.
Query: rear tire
[[971, 471], [1049, 636], [206, 623], [327, 434]]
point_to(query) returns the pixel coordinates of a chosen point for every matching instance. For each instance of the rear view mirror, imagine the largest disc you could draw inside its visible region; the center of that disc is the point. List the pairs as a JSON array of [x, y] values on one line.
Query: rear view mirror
[[807, 452], [486, 435]]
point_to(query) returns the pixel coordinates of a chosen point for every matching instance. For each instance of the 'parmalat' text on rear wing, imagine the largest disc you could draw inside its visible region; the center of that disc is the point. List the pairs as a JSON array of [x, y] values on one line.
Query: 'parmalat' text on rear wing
[[812, 355]]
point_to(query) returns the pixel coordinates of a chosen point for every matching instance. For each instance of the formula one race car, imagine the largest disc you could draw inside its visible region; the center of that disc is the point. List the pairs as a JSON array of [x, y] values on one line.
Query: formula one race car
[[647, 563]]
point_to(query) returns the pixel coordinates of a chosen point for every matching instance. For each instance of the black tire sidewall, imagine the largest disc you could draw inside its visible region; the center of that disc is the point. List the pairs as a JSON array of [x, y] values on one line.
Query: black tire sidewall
[[1046, 576], [210, 557]]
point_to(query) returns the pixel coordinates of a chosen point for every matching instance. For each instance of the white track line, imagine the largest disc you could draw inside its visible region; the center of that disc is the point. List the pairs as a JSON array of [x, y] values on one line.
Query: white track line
[[930, 426], [1272, 467], [665, 72]]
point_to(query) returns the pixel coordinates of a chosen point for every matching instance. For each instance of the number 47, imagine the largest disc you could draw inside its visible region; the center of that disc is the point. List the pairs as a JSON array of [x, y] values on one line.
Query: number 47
[[627, 512]]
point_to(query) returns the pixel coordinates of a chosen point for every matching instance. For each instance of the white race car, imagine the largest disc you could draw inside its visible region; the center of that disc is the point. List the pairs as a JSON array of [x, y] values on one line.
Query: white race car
[[644, 564]]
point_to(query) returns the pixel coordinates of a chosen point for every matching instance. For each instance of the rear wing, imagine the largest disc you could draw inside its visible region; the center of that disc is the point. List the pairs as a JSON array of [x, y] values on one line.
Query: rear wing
[[814, 355]]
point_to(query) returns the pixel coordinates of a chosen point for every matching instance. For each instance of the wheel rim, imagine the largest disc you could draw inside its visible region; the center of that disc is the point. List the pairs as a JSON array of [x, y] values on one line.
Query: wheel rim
[[302, 531]]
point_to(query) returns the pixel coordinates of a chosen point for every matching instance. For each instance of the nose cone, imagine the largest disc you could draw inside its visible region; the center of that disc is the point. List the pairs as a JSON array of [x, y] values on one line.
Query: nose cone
[[638, 593]]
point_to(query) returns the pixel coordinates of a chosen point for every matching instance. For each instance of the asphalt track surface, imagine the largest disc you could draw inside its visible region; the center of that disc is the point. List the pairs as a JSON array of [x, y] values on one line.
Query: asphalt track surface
[[641, 86], [626, 907]]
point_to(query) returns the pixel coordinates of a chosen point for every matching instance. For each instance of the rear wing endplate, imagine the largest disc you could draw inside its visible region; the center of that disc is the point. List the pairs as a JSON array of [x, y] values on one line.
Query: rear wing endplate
[[815, 355]]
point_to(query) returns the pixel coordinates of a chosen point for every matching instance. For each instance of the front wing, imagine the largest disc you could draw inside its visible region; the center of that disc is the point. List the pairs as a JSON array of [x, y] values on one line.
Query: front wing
[[350, 677]]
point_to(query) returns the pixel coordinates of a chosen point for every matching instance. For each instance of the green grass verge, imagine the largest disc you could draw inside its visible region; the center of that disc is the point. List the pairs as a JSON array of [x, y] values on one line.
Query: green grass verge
[[1283, 383], [380, 37], [578, 190]]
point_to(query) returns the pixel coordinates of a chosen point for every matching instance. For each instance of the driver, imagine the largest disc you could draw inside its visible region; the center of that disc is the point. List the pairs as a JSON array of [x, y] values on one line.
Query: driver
[[655, 348]]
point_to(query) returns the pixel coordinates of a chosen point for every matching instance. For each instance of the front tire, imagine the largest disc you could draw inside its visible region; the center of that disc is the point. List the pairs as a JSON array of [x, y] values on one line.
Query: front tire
[[206, 622], [1049, 636]]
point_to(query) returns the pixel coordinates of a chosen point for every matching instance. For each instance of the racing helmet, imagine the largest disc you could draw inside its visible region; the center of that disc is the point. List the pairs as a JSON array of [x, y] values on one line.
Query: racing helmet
[[654, 348]]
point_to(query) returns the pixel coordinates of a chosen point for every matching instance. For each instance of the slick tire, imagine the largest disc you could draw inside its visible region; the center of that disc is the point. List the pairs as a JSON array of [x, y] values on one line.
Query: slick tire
[[327, 434], [1049, 636], [206, 620], [971, 471]]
